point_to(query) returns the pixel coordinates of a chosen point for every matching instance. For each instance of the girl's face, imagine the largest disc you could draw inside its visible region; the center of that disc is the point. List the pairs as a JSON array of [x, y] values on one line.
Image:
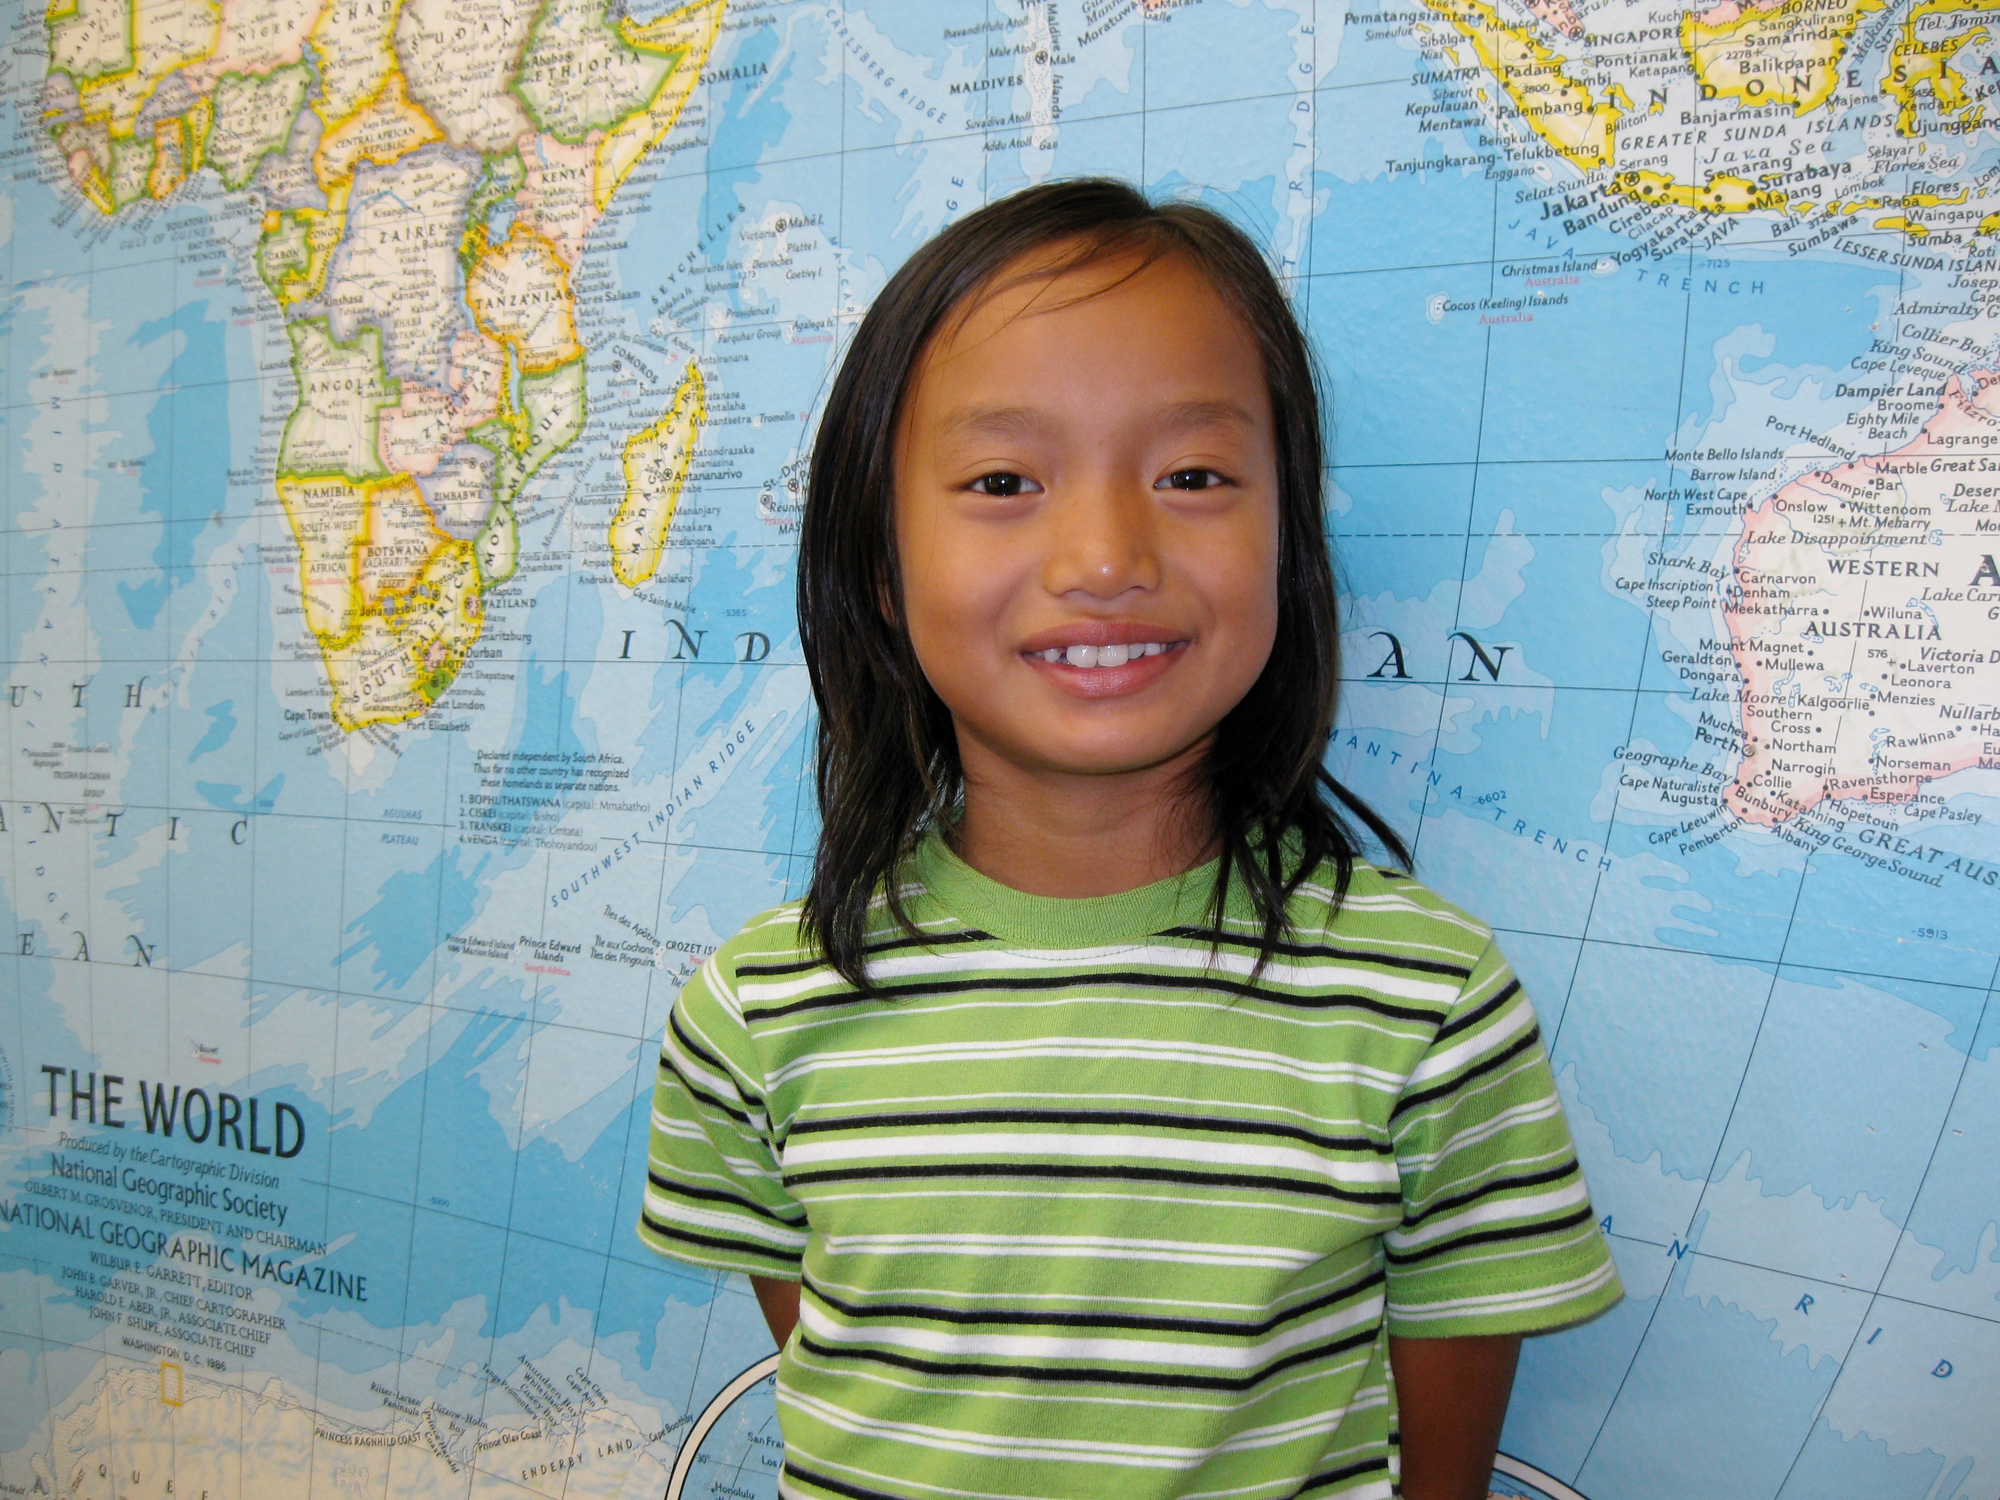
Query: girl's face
[[1087, 518]]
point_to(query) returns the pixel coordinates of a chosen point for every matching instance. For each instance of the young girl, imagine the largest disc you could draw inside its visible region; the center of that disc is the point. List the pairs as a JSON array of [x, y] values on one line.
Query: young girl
[[1100, 1124]]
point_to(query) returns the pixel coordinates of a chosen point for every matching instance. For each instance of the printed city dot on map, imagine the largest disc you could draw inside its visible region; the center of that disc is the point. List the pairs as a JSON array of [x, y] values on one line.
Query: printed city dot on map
[[408, 425]]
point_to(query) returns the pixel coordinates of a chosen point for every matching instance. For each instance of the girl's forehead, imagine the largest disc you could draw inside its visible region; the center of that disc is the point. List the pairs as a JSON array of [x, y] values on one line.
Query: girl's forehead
[[1054, 279], [1115, 345], [1054, 306]]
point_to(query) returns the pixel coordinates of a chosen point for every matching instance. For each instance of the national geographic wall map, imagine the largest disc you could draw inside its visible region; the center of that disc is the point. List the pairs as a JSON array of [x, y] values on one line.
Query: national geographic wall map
[[403, 449]]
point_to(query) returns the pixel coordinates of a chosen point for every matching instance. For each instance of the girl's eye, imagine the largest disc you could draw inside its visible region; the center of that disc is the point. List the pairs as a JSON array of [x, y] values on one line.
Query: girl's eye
[[1003, 485], [1191, 479]]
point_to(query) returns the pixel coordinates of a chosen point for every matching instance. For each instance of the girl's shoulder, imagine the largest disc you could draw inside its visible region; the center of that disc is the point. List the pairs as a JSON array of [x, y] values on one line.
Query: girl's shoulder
[[776, 935], [1385, 907], [771, 939], [774, 946]]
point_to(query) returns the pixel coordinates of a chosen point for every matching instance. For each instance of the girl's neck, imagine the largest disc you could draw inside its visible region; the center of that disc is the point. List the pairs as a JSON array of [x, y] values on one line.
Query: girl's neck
[[1052, 833]]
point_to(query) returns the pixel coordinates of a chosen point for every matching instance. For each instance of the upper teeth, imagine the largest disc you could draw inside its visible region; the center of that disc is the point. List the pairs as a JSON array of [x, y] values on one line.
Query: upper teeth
[[1101, 656]]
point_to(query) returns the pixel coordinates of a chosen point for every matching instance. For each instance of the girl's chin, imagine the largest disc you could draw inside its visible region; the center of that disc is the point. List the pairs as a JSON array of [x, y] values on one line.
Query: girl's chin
[[1055, 749]]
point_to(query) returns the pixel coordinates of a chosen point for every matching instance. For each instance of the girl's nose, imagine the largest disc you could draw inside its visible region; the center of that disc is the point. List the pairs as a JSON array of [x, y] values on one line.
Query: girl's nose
[[1103, 541]]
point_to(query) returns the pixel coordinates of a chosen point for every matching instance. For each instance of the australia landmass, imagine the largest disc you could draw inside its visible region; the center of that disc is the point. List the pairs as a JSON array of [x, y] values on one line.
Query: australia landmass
[[1865, 620]]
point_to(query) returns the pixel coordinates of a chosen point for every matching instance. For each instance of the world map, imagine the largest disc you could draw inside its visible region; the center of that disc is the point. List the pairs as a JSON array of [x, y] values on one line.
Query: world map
[[406, 430]]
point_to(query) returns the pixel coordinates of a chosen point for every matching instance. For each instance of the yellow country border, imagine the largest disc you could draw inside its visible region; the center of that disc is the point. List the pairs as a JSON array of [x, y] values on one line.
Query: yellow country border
[[523, 232], [442, 671], [259, 81], [93, 184], [389, 385], [385, 57], [1915, 64], [692, 29], [1905, 221], [427, 130], [321, 231], [633, 38], [1721, 194], [122, 122], [1911, 228], [1787, 54], [195, 126], [357, 605], [178, 146], [689, 407], [432, 674], [509, 434], [494, 186], [428, 687], [169, 166], [168, 162], [1562, 111]]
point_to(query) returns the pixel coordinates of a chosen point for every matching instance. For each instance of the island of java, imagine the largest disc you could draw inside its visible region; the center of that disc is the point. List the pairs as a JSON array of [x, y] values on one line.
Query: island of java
[[1865, 619], [429, 172]]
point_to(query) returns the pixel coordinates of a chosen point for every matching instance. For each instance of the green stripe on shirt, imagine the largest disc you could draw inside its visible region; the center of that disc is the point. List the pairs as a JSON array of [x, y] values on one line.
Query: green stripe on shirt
[[1087, 1205]]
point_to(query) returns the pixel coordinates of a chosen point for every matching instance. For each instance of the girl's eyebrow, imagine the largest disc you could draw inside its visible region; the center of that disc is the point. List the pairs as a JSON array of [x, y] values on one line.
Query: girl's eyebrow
[[1026, 421], [1186, 416], [994, 421]]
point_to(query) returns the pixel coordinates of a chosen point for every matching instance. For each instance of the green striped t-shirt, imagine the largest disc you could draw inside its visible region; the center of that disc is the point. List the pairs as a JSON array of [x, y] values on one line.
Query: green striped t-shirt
[[1081, 1209]]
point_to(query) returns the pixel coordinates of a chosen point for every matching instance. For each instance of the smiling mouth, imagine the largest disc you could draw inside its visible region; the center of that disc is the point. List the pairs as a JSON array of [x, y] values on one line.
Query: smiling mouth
[[1104, 656]]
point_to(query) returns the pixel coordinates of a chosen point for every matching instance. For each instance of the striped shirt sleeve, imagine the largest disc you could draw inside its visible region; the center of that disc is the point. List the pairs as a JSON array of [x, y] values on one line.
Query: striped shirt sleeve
[[715, 1193], [1498, 1234]]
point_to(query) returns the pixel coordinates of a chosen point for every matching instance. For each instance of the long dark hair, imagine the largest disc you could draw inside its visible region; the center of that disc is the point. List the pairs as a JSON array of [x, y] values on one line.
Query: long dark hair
[[886, 761]]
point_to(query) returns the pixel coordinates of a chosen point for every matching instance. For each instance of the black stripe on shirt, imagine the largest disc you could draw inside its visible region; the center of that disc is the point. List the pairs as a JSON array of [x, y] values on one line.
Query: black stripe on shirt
[[1337, 1476], [1309, 1188], [1245, 944], [1072, 980], [1094, 1375], [1497, 1185], [789, 1259], [718, 1195], [1135, 1117], [838, 1486], [702, 1054], [706, 1096], [1491, 1237], [869, 950], [1453, 1085], [1137, 1322], [1478, 1013]]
